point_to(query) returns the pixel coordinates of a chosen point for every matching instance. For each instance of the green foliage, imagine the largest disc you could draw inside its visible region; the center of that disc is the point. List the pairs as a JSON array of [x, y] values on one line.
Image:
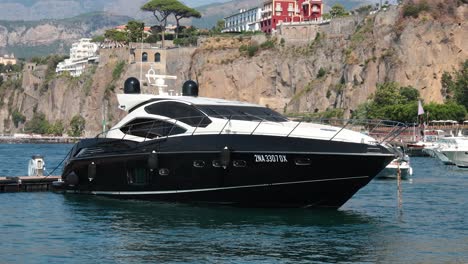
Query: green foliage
[[56, 129], [17, 118], [413, 10], [269, 44], [77, 125], [161, 10], [51, 61], [219, 26], [8, 68], [321, 73], [252, 50], [448, 111], [456, 84], [98, 39], [116, 35], [187, 41], [338, 10], [392, 102], [135, 31], [181, 11], [38, 124], [118, 70], [326, 16]]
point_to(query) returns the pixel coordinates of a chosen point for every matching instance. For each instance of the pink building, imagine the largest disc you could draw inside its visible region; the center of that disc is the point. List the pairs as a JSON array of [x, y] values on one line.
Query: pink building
[[277, 11]]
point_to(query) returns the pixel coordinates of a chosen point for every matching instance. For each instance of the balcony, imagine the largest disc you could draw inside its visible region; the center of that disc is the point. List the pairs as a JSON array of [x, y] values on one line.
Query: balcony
[[279, 9]]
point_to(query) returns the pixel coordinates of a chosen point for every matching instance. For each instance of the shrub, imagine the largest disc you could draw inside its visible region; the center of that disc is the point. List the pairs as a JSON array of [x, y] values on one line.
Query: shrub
[[17, 118], [269, 44], [252, 50], [77, 125], [38, 124], [322, 72], [118, 70], [413, 10]]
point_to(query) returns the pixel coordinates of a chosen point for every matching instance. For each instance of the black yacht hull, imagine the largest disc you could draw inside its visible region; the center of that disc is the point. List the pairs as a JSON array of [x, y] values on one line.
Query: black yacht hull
[[240, 170]]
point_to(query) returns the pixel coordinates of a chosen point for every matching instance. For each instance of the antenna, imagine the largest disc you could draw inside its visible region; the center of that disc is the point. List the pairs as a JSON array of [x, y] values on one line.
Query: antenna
[[159, 81]]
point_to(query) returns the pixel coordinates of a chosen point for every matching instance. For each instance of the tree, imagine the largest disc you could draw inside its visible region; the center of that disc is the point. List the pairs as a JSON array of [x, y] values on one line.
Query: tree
[[161, 10], [98, 39], [338, 10], [219, 26], [135, 31], [409, 94], [116, 35], [77, 125], [182, 11], [457, 84], [38, 124]]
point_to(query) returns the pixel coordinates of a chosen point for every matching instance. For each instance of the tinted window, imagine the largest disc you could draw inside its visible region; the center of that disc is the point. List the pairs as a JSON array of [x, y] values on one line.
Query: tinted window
[[249, 113], [179, 111], [151, 128]]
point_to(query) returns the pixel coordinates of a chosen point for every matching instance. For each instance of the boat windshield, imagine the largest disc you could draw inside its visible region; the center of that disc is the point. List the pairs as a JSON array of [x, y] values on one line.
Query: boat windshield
[[246, 113], [179, 111]]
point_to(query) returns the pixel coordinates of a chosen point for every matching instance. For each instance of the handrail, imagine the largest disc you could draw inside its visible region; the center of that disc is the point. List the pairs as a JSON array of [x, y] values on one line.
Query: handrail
[[294, 128], [382, 131], [259, 123], [336, 134], [229, 120]]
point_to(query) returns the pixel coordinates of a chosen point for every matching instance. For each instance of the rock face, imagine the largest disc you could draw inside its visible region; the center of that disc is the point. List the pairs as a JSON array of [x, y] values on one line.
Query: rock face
[[355, 55], [339, 69]]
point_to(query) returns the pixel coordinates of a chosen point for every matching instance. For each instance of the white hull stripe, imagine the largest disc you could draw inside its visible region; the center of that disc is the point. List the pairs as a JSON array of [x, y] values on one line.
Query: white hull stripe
[[221, 188]]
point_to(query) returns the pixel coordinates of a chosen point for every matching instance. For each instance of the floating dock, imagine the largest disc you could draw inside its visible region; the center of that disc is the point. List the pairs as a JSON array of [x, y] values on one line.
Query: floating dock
[[27, 183]]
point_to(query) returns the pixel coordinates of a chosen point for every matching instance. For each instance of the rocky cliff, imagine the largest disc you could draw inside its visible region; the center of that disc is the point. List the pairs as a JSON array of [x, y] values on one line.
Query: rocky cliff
[[338, 69], [354, 55]]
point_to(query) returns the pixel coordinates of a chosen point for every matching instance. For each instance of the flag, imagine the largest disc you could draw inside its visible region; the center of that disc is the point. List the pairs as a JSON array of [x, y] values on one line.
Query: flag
[[420, 108]]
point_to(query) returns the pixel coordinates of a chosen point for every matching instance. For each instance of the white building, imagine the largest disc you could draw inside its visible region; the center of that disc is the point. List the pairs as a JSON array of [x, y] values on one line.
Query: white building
[[8, 59], [81, 54], [244, 20]]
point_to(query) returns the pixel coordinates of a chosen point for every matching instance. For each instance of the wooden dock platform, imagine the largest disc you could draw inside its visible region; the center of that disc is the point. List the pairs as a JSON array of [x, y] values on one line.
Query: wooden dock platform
[[27, 184]]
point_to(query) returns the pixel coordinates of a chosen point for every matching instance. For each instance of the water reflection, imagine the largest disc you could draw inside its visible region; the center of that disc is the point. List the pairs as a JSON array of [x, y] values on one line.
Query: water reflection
[[151, 231]]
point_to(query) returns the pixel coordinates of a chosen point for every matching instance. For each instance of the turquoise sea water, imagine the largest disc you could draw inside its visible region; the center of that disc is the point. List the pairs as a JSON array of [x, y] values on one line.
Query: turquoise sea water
[[431, 227]]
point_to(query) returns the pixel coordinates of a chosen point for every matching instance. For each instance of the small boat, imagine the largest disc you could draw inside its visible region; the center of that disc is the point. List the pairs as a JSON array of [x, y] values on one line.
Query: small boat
[[206, 150], [399, 165]]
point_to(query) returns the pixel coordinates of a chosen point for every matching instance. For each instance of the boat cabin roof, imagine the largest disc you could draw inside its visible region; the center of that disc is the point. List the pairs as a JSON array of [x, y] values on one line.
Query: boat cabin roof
[[130, 102]]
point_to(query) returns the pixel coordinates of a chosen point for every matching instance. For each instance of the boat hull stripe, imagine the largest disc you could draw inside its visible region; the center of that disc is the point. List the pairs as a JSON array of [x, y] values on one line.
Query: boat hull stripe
[[221, 188]]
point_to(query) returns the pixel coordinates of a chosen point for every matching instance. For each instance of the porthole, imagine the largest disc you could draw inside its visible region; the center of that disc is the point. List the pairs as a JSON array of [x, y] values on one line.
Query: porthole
[[199, 164], [163, 172], [239, 163], [216, 163], [302, 161]]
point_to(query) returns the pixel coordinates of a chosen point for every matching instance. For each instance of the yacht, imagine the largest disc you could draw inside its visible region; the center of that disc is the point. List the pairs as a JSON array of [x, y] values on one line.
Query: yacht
[[456, 150], [203, 150]]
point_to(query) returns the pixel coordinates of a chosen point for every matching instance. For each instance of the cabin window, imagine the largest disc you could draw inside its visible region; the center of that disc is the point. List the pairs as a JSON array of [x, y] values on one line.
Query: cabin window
[[248, 113], [157, 57], [151, 128], [182, 112], [144, 57]]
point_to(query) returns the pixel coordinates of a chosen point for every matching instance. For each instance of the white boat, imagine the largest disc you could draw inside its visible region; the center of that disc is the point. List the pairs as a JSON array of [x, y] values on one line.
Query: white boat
[[456, 150], [400, 163]]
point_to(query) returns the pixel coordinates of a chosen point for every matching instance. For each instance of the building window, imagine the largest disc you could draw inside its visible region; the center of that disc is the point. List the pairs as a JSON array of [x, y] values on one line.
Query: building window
[[144, 57], [157, 57]]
